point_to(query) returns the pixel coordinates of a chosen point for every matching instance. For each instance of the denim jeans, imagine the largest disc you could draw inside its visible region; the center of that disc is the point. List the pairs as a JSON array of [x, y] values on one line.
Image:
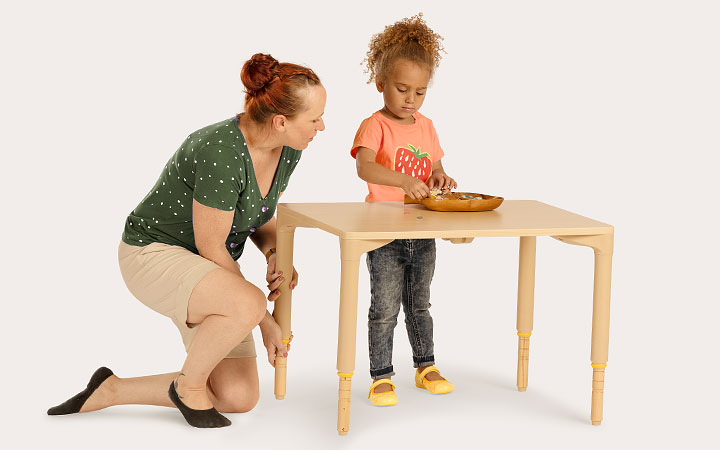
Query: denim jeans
[[400, 273]]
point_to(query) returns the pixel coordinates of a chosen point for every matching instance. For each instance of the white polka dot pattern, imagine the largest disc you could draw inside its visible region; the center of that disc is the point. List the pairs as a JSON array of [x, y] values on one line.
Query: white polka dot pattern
[[215, 172]]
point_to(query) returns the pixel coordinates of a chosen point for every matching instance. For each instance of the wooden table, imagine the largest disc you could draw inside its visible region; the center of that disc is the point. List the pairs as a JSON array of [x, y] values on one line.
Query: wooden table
[[362, 227]]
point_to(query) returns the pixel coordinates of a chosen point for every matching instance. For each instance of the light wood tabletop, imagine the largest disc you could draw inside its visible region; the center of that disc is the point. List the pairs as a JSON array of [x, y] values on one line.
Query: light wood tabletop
[[394, 220], [362, 227]]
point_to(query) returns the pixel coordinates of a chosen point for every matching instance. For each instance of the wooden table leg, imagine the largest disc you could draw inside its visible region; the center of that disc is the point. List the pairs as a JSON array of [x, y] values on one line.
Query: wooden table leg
[[281, 313], [603, 247], [525, 305], [600, 330], [350, 252]]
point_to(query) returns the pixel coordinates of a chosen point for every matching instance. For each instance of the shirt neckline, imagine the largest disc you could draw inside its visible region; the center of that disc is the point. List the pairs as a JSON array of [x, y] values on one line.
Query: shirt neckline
[[380, 116], [251, 166]]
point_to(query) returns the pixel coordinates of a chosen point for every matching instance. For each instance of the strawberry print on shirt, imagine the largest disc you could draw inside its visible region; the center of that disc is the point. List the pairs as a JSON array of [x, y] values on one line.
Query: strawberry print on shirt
[[409, 149]]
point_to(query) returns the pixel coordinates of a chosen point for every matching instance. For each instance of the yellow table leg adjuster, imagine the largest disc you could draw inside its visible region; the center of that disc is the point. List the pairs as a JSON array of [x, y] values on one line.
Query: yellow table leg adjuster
[[524, 334], [344, 374], [598, 366]]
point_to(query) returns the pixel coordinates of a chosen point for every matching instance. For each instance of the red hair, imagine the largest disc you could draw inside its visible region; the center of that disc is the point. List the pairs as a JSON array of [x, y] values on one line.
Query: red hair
[[272, 87]]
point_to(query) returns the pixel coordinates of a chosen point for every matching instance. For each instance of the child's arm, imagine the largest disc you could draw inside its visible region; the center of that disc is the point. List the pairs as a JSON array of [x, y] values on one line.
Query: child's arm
[[439, 178], [374, 173]]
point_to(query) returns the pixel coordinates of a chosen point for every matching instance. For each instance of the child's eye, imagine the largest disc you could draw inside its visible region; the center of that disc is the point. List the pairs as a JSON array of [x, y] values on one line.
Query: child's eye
[[420, 93], [402, 90]]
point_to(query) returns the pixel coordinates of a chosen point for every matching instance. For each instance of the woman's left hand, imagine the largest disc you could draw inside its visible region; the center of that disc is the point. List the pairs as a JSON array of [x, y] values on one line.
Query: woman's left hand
[[272, 338], [275, 279]]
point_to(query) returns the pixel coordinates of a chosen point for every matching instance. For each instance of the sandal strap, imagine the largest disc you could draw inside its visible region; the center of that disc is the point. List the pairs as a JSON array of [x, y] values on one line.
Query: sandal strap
[[427, 370], [378, 383]]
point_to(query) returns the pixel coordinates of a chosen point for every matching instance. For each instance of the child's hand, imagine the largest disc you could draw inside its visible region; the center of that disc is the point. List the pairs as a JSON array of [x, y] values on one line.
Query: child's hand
[[415, 188], [441, 180]]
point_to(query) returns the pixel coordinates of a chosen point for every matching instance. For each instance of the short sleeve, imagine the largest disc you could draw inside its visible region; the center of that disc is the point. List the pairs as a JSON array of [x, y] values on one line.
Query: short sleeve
[[217, 182], [290, 160], [368, 135]]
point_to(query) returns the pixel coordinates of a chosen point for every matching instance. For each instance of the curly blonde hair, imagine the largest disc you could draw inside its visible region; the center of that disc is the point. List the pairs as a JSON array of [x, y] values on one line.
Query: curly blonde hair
[[409, 39]]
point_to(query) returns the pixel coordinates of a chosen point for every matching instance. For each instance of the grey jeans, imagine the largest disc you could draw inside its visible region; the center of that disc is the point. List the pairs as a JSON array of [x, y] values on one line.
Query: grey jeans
[[400, 273]]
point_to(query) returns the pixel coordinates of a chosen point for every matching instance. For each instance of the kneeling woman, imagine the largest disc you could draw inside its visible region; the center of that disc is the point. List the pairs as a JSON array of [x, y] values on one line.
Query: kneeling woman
[[179, 247]]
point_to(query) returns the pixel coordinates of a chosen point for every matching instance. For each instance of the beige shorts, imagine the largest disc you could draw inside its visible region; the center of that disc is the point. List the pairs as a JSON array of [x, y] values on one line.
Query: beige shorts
[[162, 277]]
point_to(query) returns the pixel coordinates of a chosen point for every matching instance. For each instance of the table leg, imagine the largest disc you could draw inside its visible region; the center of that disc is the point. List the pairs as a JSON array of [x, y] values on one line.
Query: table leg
[[281, 311], [525, 305], [350, 252], [603, 247], [600, 331]]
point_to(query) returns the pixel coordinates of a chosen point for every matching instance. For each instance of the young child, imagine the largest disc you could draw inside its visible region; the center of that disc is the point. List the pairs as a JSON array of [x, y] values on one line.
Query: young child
[[398, 153]]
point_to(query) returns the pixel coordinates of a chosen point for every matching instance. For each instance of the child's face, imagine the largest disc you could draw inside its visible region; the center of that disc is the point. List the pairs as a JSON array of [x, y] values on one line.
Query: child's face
[[404, 90]]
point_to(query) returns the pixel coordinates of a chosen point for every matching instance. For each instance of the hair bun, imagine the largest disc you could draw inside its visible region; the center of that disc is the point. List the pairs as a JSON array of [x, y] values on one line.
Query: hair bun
[[258, 71]]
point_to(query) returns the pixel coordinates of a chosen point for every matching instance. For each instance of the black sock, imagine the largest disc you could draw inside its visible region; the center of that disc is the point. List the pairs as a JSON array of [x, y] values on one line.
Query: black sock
[[200, 418], [74, 404]]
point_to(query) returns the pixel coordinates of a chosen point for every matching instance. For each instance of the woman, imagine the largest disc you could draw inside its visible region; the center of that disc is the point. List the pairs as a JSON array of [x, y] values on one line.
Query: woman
[[179, 247]]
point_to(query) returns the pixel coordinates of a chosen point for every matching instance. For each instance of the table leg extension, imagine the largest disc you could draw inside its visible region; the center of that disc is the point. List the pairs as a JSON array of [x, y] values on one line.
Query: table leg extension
[[523, 358], [525, 307], [603, 247], [282, 308], [343, 424], [280, 375], [350, 252], [598, 386]]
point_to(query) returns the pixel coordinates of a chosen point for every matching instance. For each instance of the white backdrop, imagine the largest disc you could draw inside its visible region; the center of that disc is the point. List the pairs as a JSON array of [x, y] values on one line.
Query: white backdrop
[[607, 109]]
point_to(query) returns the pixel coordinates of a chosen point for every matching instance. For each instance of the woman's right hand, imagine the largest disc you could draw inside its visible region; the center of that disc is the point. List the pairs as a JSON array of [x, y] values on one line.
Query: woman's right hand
[[415, 188]]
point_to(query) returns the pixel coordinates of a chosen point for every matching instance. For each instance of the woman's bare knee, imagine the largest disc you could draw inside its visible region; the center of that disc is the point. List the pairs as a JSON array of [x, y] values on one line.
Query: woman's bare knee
[[249, 304], [223, 293], [237, 400]]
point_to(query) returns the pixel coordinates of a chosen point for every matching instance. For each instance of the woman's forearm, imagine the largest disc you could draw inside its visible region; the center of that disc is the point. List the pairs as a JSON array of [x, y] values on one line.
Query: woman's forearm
[[264, 237]]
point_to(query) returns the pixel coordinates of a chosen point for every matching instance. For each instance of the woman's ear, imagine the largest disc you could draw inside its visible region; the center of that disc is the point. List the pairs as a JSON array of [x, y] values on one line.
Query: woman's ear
[[279, 121]]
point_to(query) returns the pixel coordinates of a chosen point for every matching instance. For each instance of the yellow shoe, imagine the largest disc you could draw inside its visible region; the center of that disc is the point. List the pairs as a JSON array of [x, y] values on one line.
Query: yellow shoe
[[383, 398], [434, 386]]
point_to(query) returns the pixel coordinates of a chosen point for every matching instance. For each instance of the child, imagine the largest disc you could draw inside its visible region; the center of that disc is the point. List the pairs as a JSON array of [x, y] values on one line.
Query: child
[[398, 153]]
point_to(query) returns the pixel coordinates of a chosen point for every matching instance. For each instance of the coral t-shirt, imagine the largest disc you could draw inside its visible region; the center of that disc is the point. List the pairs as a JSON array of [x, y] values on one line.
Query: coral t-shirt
[[409, 149]]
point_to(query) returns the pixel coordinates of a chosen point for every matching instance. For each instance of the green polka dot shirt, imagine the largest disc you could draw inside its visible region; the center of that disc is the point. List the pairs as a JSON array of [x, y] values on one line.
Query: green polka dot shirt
[[212, 166]]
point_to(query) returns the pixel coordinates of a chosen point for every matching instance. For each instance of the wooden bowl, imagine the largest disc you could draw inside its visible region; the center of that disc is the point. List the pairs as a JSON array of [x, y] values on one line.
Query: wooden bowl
[[455, 202]]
